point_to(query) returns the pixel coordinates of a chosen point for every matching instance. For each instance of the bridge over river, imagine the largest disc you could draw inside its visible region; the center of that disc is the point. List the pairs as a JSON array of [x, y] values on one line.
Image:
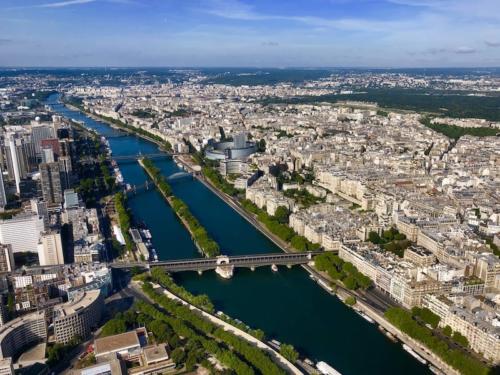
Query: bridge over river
[[224, 265], [135, 157]]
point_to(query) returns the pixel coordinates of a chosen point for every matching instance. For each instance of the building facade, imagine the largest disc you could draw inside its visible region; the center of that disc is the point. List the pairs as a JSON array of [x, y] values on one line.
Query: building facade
[[77, 317]]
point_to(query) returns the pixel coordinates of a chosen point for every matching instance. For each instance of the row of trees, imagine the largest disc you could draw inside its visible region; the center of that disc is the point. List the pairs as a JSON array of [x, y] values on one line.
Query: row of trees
[[346, 272], [191, 325], [277, 225], [456, 358], [194, 338], [124, 219], [206, 244], [216, 178], [426, 316], [201, 300]]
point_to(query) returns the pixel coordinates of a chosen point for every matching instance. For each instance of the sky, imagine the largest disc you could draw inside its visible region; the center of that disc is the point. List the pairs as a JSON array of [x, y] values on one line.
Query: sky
[[244, 33]]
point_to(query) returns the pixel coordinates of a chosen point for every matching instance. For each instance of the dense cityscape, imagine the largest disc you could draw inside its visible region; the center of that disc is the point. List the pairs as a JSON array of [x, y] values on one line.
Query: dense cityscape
[[392, 211], [236, 187]]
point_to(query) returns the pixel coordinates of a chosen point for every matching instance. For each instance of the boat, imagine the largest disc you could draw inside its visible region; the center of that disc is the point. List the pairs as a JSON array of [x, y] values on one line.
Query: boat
[[309, 362], [274, 267], [276, 342], [414, 355], [326, 369], [389, 335], [312, 276], [365, 317], [435, 370], [325, 285]]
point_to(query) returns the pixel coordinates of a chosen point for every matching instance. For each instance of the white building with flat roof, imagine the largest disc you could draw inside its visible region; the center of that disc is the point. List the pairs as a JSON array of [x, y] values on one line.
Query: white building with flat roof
[[22, 232], [50, 251]]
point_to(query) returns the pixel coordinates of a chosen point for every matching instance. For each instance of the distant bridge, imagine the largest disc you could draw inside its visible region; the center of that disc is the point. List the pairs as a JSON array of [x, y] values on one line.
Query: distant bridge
[[238, 261], [135, 157], [148, 184]]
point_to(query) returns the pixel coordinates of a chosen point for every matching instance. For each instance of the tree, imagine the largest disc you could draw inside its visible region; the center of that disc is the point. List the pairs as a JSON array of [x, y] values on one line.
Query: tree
[[350, 301], [282, 213], [426, 315], [460, 339], [261, 146], [447, 331], [10, 304], [299, 243], [373, 237], [350, 282], [178, 356], [113, 327], [289, 352]]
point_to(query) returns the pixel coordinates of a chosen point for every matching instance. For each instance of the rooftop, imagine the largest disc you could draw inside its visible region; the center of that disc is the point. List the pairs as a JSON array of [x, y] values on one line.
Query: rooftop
[[116, 343], [81, 301]]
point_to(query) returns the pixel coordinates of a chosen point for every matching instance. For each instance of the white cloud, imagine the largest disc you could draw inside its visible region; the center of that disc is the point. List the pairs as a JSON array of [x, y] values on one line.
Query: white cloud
[[61, 4], [237, 10], [465, 50], [491, 43]]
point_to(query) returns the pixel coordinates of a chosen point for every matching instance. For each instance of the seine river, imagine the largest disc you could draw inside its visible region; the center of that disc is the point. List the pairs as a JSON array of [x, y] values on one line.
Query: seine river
[[287, 305]]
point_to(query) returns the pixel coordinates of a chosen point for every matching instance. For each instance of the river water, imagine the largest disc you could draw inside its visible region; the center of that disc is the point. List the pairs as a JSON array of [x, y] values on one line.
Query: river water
[[287, 305]]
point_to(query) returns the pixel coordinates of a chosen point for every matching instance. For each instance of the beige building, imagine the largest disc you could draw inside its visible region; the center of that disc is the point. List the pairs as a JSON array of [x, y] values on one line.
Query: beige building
[[487, 268], [6, 258], [77, 317], [50, 250], [21, 332], [419, 256], [6, 367], [479, 326]]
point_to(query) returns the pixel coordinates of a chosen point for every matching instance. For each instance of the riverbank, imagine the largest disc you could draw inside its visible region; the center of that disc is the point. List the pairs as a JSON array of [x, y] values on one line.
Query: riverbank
[[128, 129], [277, 357], [364, 304]]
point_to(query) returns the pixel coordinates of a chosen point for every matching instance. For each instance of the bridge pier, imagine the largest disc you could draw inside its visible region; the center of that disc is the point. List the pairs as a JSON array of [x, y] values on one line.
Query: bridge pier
[[225, 271], [224, 268]]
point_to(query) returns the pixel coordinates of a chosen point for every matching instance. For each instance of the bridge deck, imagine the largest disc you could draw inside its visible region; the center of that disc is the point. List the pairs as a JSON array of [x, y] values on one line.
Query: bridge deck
[[202, 264]]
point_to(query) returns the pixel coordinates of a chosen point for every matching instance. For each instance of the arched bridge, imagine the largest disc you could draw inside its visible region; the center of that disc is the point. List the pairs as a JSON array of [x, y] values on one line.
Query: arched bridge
[[238, 261]]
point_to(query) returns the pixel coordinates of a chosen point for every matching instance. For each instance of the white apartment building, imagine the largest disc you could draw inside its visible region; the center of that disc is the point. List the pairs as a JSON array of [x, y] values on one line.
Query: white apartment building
[[22, 232], [50, 251], [480, 327]]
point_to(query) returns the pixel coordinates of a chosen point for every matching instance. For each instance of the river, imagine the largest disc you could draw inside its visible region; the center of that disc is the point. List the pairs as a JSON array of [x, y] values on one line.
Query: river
[[287, 305]]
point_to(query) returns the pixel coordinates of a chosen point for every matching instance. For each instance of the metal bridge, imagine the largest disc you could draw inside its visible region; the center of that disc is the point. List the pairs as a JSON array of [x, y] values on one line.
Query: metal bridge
[[134, 158], [238, 261], [148, 184]]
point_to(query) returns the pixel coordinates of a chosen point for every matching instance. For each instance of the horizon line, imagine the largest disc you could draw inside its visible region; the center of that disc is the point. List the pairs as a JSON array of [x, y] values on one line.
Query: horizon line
[[237, 67]]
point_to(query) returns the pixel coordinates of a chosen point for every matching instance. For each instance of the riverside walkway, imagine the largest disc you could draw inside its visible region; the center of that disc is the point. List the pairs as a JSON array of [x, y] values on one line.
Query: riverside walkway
[[282, 361]]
